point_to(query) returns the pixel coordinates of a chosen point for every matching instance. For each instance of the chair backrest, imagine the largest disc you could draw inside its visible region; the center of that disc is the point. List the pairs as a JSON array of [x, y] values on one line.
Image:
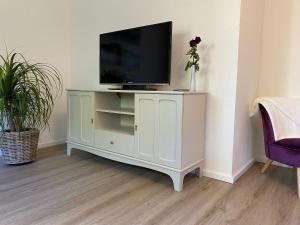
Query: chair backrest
[[267, 128]]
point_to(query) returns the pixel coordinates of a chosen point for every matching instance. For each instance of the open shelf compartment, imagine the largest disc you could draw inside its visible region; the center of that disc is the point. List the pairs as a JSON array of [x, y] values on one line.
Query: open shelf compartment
[[119, 123], [115, 103]]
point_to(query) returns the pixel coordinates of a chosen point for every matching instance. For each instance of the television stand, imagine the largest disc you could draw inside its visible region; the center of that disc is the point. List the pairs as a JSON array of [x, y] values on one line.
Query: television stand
[[158, 130], [134, 87]]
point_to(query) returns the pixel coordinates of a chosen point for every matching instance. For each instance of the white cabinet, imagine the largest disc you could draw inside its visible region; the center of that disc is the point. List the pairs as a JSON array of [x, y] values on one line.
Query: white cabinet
[[158, 128], [163, 131], [80, 117]]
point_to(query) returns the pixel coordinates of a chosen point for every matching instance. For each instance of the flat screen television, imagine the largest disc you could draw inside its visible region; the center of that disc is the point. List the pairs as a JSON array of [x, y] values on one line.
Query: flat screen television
[[136, 57]]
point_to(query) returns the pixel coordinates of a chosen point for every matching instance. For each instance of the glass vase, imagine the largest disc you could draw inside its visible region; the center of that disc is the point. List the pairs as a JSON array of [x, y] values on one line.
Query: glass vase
[[193, 79]]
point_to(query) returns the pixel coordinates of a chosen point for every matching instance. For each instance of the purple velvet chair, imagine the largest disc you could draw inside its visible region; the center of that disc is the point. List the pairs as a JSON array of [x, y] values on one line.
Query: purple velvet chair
[[286, 151]]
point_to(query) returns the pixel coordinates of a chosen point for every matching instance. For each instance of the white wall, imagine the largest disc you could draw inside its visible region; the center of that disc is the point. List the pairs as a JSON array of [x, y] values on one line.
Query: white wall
[[217, 22], [281, 49], [249, 65], [40, 29], [280, 71]]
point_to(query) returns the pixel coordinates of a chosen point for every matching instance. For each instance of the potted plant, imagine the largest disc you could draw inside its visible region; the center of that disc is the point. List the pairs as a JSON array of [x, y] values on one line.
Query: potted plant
[[27, 95]]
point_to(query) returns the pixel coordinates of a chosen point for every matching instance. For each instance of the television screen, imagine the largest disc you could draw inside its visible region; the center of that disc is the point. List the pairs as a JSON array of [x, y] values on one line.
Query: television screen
[[137, 56]]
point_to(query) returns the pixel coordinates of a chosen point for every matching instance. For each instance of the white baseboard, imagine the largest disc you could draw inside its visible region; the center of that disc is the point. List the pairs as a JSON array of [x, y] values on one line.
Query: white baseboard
[[226, 177], [243, 169], [52, 143], [218, 176]]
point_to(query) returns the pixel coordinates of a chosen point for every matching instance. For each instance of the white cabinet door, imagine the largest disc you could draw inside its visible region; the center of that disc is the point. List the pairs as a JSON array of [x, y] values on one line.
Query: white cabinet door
[[87, 118], [168, 134], [145, 126], [158, 119], [80, 117], [74, 117]]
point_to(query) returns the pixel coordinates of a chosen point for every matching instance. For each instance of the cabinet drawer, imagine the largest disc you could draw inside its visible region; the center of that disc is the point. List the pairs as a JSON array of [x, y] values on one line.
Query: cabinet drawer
[[115, 142]]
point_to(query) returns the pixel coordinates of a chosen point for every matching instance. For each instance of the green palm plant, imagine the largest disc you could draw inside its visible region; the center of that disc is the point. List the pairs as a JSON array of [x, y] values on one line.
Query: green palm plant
[[27, 93]]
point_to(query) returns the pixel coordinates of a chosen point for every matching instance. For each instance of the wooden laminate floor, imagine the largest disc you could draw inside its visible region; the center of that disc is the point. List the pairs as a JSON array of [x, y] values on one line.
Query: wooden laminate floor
[[86, 189]]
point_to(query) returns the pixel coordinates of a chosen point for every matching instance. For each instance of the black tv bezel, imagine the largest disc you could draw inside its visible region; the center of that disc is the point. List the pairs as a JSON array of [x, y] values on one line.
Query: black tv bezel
[[133, 83]]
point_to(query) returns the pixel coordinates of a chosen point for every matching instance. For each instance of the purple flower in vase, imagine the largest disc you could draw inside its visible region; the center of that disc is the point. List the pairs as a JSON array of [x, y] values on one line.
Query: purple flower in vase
[[193, 43], [197, 40], [194, 56]]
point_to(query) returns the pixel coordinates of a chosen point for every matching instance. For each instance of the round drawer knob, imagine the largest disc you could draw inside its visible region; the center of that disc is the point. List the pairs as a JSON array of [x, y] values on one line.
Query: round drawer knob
[[111, 142]]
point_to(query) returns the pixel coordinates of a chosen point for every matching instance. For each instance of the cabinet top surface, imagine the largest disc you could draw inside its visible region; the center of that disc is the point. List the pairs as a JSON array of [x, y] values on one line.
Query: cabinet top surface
[[144, 92]]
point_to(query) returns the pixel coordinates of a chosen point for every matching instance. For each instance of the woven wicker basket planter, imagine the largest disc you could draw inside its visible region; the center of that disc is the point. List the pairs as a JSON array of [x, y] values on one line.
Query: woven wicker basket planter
[[19, 148]]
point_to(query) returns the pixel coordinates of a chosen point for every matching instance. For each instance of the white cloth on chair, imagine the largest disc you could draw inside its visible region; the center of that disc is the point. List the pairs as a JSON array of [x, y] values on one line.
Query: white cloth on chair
[[284, 114]]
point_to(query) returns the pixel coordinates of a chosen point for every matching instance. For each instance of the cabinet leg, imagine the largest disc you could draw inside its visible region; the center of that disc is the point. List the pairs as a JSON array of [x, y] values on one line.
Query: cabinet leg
[[177, 181], [69, 150]]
